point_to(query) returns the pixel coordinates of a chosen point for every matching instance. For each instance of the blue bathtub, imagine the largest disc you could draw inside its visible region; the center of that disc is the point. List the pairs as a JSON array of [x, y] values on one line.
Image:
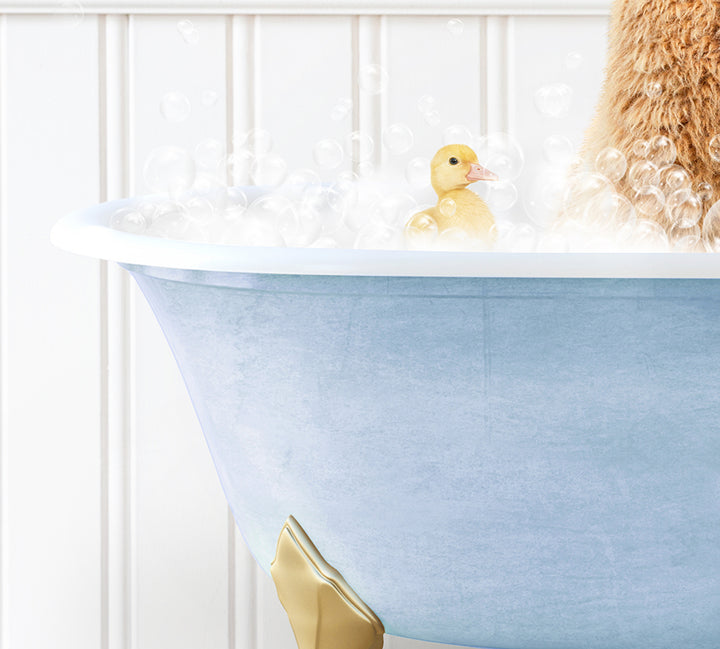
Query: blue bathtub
[[510, 451]]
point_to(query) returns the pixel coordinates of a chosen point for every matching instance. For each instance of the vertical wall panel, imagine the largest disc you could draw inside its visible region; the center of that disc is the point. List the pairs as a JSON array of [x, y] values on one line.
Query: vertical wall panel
[[304, 69], [4, 432], [180, 513], [541, 48], [164, 61], [427, 58], [115, 312], [51, 354]]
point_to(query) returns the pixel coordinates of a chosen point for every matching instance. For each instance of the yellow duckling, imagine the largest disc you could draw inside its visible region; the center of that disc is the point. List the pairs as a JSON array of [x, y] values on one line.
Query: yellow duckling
[[452, 169]]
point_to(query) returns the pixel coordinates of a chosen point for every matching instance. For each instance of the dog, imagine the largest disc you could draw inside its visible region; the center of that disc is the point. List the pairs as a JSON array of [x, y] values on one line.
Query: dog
[[662, 79]]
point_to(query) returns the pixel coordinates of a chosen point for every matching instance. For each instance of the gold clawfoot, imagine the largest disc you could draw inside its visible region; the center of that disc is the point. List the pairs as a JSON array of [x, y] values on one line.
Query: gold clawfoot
[[324, 612]]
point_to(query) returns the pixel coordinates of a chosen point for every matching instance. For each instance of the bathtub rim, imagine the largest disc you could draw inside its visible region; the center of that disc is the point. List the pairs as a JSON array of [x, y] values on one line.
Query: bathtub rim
[[86, 232]]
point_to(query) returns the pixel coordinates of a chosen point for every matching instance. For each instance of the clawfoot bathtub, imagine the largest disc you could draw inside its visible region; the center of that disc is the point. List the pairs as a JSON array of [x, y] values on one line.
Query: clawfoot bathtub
[[495, 450]]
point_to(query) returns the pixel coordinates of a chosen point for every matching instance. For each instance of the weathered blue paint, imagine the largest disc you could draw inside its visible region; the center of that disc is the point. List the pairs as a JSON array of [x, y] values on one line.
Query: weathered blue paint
[[509, 463]]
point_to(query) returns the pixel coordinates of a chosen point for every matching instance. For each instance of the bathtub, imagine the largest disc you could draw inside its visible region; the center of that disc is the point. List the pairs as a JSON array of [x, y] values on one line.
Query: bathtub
[[511, 451]]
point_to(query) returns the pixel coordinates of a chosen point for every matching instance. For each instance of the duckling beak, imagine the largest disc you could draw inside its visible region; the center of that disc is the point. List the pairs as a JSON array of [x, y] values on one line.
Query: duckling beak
[[478, 172]]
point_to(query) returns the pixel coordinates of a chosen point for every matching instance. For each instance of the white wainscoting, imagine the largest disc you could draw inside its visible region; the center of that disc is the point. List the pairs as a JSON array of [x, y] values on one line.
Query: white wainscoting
[[114, 530]]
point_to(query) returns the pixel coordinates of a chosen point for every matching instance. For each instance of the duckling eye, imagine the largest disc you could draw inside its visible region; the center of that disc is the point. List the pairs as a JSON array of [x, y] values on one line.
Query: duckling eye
[[453, 161]]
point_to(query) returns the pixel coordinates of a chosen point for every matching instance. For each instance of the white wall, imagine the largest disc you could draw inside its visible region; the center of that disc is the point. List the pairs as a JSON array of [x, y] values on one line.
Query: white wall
[[114, 530]]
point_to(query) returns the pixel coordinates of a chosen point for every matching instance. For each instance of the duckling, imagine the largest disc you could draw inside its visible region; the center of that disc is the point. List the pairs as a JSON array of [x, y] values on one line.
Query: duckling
[[452, 169], [662, 79]]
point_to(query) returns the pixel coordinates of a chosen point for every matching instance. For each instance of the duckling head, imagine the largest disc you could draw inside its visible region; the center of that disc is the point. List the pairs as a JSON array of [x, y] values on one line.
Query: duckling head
[[455, 166]]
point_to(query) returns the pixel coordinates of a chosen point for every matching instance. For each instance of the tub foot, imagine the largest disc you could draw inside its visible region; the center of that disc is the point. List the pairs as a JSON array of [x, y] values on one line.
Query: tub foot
[[324, 612]]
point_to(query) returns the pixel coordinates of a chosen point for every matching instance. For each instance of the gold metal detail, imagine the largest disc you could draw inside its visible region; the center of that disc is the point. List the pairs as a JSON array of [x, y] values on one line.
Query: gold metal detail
[[324, 612]]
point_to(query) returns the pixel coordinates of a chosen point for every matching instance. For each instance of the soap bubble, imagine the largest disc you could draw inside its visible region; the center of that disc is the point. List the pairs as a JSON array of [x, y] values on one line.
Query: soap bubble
[[501, 232], [457, 134], [673, 177], [684, 208], [328, 154], [325, 241], [235, 203], [398, 139], [365, 169], [128, 219], [574, 60], [360, 147], [426, 103], [432, 117], [268, 170], [169, 169], [620, 211], [649, 200], [70, 13], [251, 230], [544, 199], [171, 221], [373, 79], [501, 154], [523, 238], [271, 208], [554, 100], [558, 149], [552, 242], [455, 26], [662, 151], [175, 107], [714, 148], [207, 183], [208, 98], [606, 210], [711, 228], [686, 239], [148, 209], [705, 192], [653, 89], [641, 148], [210, 154], [583, 193], [453, 239], [189, 32], [611, 163], [649, 236], [200, 210], [393, 209], [417, 172], [343, 194], [421, 231], [259, 141], [301, 227], [447, 207], [641, 174], [502, 195], [378, 236], [238, 165], [341, 110], [303, 179]]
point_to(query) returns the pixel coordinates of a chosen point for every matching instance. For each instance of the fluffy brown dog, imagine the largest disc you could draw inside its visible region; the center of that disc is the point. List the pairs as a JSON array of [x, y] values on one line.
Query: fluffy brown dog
[[676, 44]]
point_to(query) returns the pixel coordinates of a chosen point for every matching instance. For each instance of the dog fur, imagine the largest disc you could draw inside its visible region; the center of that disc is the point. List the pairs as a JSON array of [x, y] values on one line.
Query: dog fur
[[677, 44]]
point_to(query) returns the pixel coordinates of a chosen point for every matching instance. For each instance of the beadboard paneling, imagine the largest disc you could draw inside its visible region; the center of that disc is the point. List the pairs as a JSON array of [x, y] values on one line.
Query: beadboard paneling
[[51, 340], [307, 7], [297, 87], [425, 59], [536, 66], [181, 538]]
